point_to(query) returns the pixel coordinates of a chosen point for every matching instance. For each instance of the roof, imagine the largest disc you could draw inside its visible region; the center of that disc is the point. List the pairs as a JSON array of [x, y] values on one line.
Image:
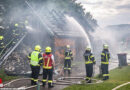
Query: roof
[[62, 25]]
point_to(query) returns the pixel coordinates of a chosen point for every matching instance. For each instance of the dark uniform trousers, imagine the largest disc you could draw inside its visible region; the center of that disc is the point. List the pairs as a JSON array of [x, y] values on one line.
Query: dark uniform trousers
[[89, 71], [67, 65], [34, 75], [49, 73], [105, 72], [105, 56]]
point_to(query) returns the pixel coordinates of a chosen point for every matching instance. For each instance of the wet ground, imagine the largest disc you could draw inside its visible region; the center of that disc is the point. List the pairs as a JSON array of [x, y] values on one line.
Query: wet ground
[[77, 71], [24, 83]]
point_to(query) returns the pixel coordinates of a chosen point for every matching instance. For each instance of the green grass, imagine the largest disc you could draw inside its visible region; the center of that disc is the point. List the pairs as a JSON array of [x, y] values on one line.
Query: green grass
[[5, 77], [127, 87], [117, 77]]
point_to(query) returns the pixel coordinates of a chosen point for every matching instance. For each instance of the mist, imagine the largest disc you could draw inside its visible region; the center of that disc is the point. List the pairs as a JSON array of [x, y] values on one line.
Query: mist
[[50, 23], [113, 37]]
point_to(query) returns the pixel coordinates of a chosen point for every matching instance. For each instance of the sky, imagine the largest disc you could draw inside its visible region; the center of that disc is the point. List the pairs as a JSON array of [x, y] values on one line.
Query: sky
[[108, 12]]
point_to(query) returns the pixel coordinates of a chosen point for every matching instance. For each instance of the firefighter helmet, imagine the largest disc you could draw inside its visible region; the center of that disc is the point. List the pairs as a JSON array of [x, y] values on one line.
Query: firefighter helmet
[[38, 48], [88, 48], [1, 37], [68, 46], [16, 25], [48, 49], [105, 46]]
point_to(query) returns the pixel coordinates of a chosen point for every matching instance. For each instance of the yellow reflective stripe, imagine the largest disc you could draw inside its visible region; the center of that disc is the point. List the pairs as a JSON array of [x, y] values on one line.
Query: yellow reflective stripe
[[35, 80], [69, 68], [32, 78], [103, 54], [35, 65], [106, 58], [29, 57], [44, 80], [65, 68], [91, 56], [49, 81], [104, 62], [48, 61], [44, 62], [88, 62], [67, 57], [47, 67], [106, 75], [88, 58], [40, 58], [68, 54]]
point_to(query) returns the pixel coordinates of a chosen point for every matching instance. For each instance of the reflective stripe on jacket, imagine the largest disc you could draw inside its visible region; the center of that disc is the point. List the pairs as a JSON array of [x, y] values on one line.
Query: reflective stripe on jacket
[[89, 58], [68, 54], [105, 56], [47, 61]]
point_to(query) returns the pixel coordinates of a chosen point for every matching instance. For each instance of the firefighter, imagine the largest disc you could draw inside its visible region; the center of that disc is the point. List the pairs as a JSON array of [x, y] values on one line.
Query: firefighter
[[35, 62], [16, 33], [1, 43], [67, 60], [105, 56], [89, 61], [48, 66]]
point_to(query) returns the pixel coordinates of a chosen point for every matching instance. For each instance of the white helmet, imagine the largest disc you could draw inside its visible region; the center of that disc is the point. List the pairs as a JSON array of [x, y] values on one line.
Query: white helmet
[[88, 48], [105, 46], [68, 46]]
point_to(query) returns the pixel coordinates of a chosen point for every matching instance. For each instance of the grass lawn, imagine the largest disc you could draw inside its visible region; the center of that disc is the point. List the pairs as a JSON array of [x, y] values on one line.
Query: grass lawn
[[117, 77], [127, 87], [5, 77]]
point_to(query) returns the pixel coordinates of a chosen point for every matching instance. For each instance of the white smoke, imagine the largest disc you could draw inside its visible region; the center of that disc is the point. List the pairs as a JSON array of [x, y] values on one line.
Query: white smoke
[[111, 37]]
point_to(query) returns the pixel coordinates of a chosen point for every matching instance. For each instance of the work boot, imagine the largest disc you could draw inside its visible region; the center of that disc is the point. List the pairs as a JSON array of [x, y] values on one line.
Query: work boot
[[50, 85], [89, 81], [32, 82], [43, 84], [104, 78], [86, 79]]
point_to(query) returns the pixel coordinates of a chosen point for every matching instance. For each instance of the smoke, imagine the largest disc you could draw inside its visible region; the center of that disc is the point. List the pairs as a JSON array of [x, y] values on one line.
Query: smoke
[[46, 19], [114, 38]]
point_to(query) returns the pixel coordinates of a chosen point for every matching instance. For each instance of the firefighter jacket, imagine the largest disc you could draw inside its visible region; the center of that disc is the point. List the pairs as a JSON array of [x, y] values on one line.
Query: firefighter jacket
[[35, 58], [105, 56], [68, 54], [89, 58], [48, 61]]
